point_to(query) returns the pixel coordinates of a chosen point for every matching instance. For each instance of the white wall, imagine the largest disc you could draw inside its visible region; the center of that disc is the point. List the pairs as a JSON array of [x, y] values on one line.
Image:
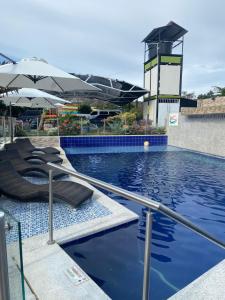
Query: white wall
[[154, 81], [145, 110], [164, 110], [205, 134], [149, 110], [169, 80], [147, 80]]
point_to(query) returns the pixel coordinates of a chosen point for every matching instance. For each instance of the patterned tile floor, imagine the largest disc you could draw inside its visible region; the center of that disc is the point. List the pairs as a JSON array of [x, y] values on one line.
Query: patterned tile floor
[[34, 216]]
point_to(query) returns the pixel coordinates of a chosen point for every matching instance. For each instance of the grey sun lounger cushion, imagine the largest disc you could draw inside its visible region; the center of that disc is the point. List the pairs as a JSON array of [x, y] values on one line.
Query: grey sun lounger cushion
[[23, 167], [29, 147], [15, 186], [27, 156]]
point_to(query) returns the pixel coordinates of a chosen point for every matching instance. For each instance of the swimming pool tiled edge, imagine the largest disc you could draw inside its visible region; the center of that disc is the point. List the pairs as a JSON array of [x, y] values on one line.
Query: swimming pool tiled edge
[[112, 140]]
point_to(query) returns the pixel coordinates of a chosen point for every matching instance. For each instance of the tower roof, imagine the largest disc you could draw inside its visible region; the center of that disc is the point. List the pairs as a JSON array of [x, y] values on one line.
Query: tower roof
[[170, 32]]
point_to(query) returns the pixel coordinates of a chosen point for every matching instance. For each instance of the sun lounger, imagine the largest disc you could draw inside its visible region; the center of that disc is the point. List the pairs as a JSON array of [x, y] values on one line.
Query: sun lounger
[[26, 168], [15, 186], [28, 156], [29, 147]]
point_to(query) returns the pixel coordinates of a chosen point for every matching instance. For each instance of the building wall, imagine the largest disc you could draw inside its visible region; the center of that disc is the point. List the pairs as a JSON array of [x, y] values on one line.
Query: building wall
[[147, 80], [169, 80], [164, 110], [154, 81], [200, 133], [149, 111]]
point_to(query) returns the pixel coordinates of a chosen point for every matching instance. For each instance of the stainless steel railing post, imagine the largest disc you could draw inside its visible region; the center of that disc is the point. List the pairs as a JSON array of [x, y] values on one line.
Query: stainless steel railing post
[[4, 277], [147, 256], [4, 129], [11, 123], [50, 212]]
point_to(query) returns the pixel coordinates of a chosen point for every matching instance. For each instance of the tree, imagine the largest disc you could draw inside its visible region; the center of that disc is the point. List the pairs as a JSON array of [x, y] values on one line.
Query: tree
[[84, 109], [220, 90], [208, 95], [188, 95], [2, 108]]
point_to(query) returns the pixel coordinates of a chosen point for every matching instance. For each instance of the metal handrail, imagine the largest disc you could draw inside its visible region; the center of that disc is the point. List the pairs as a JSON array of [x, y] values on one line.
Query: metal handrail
[[149, 203]]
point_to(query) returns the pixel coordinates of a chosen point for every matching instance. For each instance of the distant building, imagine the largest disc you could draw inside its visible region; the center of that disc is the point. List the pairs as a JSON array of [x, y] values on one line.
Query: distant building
[[163, 66]]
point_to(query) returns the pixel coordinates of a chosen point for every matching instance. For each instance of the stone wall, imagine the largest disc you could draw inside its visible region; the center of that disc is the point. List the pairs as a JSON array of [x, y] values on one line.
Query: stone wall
[[204, 133], [206, 106], [217, 101]]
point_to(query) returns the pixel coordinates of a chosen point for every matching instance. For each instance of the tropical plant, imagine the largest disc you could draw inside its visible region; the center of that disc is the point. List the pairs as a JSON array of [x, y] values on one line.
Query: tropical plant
[[84, 109], [128, 118], [19, 131]]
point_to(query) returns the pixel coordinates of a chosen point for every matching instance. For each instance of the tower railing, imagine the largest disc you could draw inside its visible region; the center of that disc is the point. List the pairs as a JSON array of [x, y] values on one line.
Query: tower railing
[[150, 204]]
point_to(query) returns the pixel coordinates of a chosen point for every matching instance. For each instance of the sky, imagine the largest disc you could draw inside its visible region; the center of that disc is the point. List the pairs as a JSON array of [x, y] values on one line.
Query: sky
[[104, 37]]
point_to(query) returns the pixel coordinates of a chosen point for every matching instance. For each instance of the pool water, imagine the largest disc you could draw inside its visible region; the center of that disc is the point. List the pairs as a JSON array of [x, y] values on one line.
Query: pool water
[[189, 183]]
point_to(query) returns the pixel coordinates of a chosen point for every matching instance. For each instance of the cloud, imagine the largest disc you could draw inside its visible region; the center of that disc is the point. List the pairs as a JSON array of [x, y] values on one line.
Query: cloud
[[104, 37]]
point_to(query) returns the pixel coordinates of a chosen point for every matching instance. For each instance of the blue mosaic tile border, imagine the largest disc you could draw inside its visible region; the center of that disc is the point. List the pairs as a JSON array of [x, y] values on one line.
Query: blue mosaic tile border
[[101, 141]]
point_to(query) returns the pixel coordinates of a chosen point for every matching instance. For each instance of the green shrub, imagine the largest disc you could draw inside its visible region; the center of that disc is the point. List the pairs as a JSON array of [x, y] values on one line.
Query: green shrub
[[84, 109], [158, 130], [19, 131], [53, 131]]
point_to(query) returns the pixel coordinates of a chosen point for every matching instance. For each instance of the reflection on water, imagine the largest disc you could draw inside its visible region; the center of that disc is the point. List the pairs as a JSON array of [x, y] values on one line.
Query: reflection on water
[[188, 183]]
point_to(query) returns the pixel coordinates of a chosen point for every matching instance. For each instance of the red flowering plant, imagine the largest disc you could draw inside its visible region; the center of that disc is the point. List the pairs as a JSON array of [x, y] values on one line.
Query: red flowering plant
[[69, 125]]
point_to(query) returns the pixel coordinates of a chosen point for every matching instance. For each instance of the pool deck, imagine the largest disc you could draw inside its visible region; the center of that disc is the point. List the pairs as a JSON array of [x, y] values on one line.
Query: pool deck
[[209, 286], [49, 271]]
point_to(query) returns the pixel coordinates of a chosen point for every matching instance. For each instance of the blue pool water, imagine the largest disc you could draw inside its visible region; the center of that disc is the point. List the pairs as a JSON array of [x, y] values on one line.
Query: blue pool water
[[189, 183]]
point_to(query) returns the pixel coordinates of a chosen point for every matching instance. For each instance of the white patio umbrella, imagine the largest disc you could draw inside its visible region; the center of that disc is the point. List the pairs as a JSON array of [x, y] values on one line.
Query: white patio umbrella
[[32, 98], [38, 74]]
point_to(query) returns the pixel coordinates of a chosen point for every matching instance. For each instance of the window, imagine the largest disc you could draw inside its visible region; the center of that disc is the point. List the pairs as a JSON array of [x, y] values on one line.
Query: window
[[104, 113], [94, 113]]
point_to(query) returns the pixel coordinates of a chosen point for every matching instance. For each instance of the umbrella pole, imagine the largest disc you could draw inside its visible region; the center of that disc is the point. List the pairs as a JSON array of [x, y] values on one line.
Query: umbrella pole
[[37, 127], [11, 123], [4, 130], [81, 126], [57, 110]]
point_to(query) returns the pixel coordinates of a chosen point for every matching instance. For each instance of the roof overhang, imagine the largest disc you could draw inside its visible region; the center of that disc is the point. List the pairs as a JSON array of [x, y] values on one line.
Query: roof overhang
[[170, 32]]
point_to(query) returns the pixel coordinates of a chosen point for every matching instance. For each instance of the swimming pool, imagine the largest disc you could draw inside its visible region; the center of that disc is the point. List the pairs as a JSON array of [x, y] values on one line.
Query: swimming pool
[[189, 183]]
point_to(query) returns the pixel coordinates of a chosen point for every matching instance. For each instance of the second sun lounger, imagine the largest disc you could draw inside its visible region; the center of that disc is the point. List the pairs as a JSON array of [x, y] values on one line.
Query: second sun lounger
[[15, 186], [28, 146], [26, 168], [28, 156]]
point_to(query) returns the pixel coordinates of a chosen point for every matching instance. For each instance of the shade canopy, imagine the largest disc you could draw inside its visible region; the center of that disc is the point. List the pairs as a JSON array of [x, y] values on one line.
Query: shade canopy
[[115, 91], [38, 74], [31, 98]]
